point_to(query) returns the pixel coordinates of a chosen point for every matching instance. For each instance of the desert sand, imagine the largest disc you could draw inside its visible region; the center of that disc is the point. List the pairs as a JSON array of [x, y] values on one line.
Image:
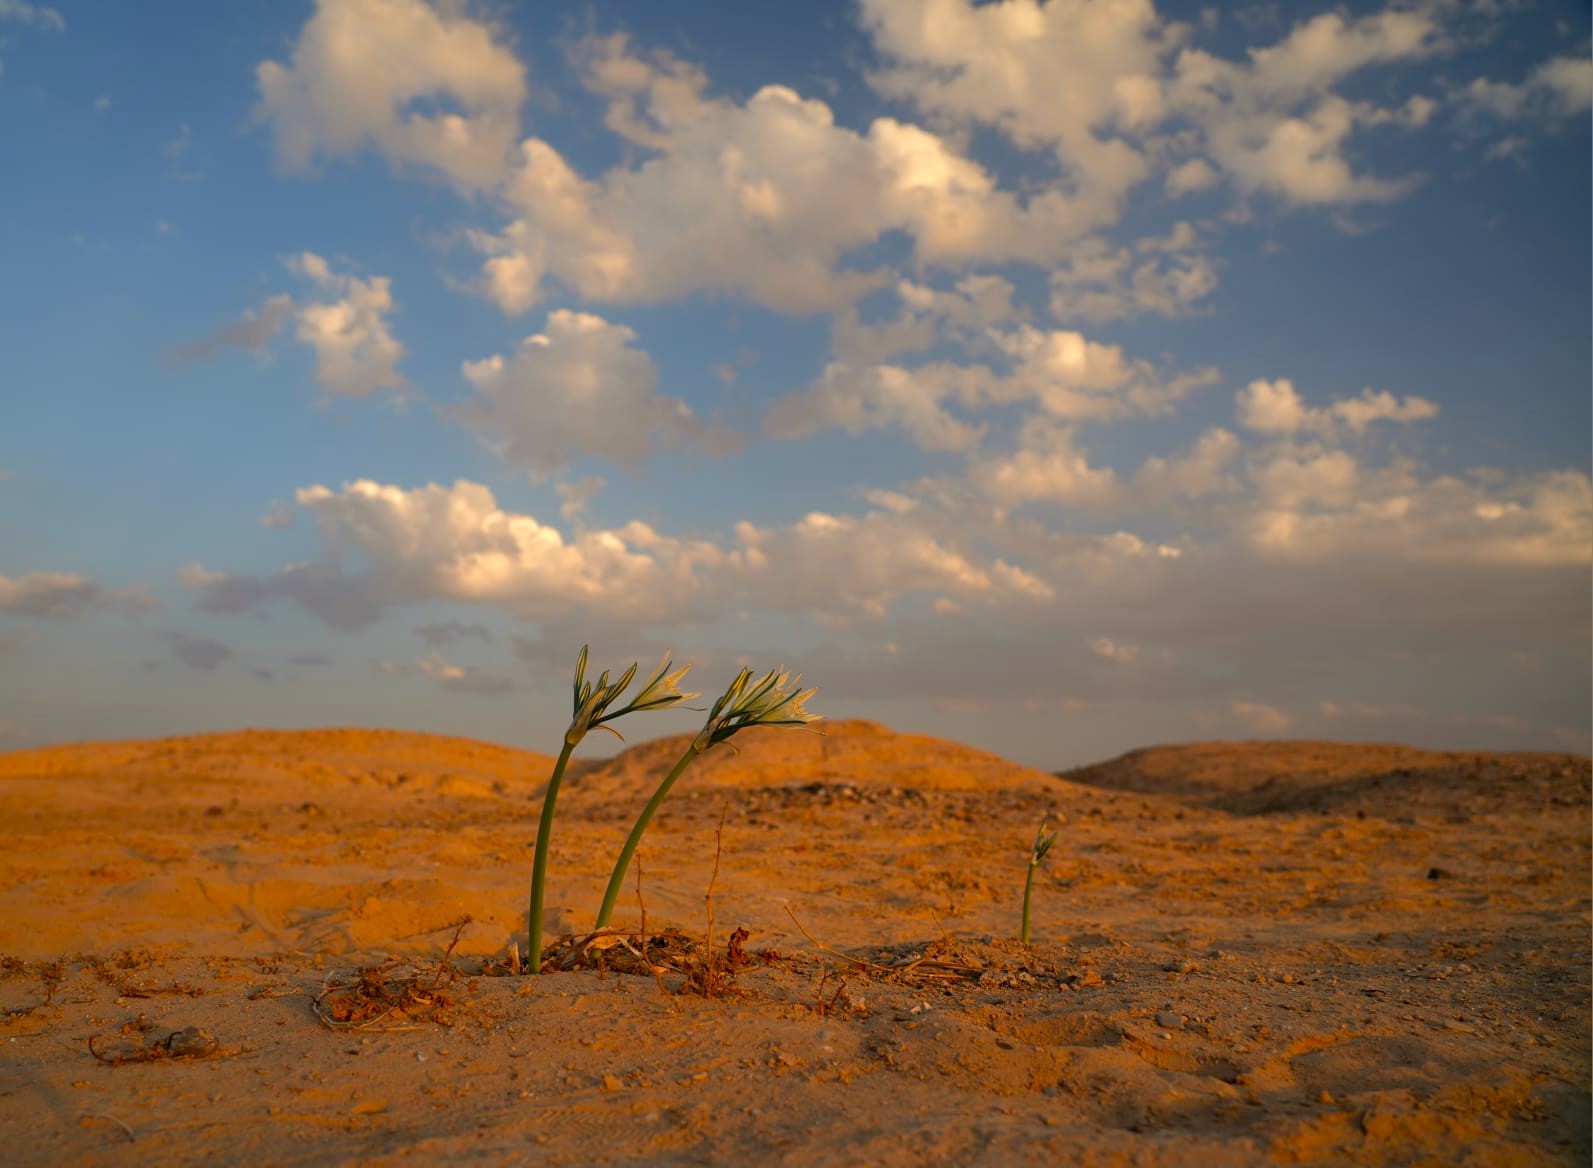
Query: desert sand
[[234, 949]]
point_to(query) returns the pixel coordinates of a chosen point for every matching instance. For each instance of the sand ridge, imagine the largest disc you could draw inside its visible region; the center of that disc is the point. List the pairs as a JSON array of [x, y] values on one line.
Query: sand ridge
[[1246, 953]]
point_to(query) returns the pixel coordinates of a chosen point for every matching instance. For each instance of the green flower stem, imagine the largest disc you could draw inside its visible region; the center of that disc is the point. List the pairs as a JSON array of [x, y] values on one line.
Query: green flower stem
[[539, 865], [611, 897], [1028, 890]]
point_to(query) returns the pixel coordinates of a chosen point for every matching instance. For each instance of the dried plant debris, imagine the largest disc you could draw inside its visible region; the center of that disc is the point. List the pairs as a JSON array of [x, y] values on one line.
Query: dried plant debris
[[50, 973], [130, 1044], [390, 996], [669, 953]]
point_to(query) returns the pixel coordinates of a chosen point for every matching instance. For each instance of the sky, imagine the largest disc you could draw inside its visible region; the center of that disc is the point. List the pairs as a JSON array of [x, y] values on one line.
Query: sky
[[1060, 378]]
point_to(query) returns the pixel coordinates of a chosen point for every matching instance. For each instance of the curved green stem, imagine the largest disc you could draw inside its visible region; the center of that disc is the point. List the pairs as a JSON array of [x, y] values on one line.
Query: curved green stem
[[1028, 889], [539, 865], [611, 897]]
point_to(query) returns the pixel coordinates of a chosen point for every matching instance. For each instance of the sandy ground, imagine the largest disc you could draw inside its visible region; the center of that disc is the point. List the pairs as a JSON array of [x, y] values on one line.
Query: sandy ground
[[1307, 953]]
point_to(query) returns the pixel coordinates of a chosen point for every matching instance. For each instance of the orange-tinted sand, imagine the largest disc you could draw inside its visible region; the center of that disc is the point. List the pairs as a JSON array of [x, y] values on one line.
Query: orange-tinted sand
[[1244, 953]]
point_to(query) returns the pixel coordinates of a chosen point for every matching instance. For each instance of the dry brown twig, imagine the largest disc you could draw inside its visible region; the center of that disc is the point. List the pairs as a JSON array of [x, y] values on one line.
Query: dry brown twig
[[918, 969], [657, 972], [378, 993], [708, 945]]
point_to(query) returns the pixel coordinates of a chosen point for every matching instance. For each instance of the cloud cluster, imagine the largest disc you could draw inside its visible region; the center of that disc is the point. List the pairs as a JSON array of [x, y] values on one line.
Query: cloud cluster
[[579, 386], [764, 198], [426, 86], [769, 198], [1559, 88], [1166, 275], [1274, 407], [356, 353], [32, 15], [64, 596], [1117, 94], [387, 546], [1062, 374]]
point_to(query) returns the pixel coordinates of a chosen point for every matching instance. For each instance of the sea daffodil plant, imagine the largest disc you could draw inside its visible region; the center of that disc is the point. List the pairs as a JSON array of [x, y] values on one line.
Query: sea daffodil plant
[[592, 709], [1042, 844], [774, 700]]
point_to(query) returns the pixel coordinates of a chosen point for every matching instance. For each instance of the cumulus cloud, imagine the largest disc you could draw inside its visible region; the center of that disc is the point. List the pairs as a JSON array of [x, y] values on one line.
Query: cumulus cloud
[[925, 316], [437, 634], [861, 398], [1294, 492], [197, 651], [1047, 467], [253, 331], [425, 86], [355, 352], [1260, 718], [1559, 88], [1071, 77], [37, 16], [386, 547], [1274, 124], [1067, 376], [1116, 93], [64, 595], [462, 678], [1275, 407], [581, 386], [1113, 650], [764, 198], [1167, 276]]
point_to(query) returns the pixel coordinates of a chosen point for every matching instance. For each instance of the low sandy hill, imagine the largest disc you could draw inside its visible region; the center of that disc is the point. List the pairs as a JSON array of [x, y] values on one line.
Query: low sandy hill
[[850, 751], [247, 768], [1259, 778]]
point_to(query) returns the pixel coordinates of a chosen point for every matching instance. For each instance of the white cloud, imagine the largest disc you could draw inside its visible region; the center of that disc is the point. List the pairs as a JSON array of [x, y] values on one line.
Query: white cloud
[[469, 679], [1274, 123], [439, 633], [355, 352], [574, 497], [198, 651], [1113, 650], [1275, 407], [1196, 174], [1205, 470], [925, 316], [37, 16], [857, 399], [1559, 88], [63, 595], [1167, 276], [1366, 711], [1260, 718], [1068, 376], [579, 387], [842, 566], [386, 546], [1071, 77], [1074, 378], [1116, 93], [425, 86], [764, 198], [253, 331], [1047, 467]]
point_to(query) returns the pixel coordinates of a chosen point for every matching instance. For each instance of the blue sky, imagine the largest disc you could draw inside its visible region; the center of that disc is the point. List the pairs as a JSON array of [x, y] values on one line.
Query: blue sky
[[1060, 378]]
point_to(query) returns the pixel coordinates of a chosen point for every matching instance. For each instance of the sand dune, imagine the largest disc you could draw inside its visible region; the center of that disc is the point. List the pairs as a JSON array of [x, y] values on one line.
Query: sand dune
[[1261, 778], [1245, 953]]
